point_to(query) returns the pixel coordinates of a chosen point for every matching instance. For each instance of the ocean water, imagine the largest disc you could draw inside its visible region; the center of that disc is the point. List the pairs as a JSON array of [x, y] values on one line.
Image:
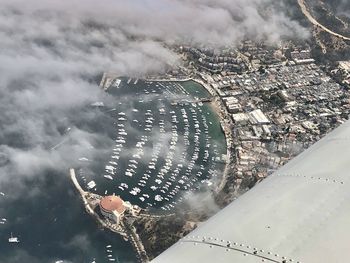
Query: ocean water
[[162, 143]]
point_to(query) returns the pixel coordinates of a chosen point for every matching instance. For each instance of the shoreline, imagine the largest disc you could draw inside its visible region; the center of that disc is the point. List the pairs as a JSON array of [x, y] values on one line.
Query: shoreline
[[168, 80], [220, 109]]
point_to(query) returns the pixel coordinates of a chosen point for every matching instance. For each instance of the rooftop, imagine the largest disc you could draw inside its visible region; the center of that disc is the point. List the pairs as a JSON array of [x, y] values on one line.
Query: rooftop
[[112, 203]]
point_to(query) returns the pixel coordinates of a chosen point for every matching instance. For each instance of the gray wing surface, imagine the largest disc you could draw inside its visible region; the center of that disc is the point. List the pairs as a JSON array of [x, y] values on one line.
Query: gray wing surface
[[301, 213]]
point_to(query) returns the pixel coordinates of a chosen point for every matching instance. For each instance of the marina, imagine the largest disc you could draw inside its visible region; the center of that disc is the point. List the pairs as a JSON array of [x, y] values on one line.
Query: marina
[[159, 151], [167, 140]]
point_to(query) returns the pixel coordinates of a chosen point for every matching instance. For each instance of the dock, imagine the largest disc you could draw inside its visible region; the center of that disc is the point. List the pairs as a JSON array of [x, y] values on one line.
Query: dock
[[186, 102], [107, 80]]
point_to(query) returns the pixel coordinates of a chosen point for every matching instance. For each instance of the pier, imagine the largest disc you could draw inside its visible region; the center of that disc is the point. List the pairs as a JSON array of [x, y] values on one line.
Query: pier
[[184, 102]]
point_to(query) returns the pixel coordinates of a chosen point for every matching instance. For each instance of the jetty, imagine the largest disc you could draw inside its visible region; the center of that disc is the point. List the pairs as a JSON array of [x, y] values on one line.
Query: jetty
[[186, 102]]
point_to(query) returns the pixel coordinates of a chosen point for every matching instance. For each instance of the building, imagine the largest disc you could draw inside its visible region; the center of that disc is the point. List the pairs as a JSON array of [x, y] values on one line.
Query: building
[[240, 118], [113, 207], [232, 104], [302, 57], [258, 117]]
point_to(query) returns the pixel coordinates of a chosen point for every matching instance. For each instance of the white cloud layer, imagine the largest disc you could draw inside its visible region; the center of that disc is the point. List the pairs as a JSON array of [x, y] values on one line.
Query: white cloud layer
[[49, 49]]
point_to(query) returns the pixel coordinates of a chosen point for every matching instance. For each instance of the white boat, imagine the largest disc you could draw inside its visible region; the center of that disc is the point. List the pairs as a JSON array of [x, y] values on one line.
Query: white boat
[[110, 167], [158, 198], [13, 239], [91, 184], [124, 185], [108, 177], [128, 174], [133, 192], [98, 104], [138, 190], [110, 171], [117, 83]]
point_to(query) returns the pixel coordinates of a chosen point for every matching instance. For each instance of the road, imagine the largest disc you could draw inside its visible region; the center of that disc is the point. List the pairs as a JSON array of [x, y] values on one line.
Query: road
[[316, 23]]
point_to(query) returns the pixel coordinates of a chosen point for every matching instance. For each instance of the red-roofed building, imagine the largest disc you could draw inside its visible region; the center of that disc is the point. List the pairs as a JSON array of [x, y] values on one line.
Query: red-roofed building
[[113, 207]]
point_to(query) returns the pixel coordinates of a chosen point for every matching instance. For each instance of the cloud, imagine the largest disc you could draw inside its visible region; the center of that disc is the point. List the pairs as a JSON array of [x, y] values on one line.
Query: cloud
[[51, 51], [202, 203]]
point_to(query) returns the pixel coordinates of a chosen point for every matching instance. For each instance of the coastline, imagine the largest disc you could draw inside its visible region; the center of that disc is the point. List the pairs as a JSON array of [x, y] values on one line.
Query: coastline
[[225, 122], [168, 79]]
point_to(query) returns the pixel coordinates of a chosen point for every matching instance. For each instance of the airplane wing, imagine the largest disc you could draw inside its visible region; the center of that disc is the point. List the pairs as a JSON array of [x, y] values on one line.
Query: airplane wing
[[301, 213]]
